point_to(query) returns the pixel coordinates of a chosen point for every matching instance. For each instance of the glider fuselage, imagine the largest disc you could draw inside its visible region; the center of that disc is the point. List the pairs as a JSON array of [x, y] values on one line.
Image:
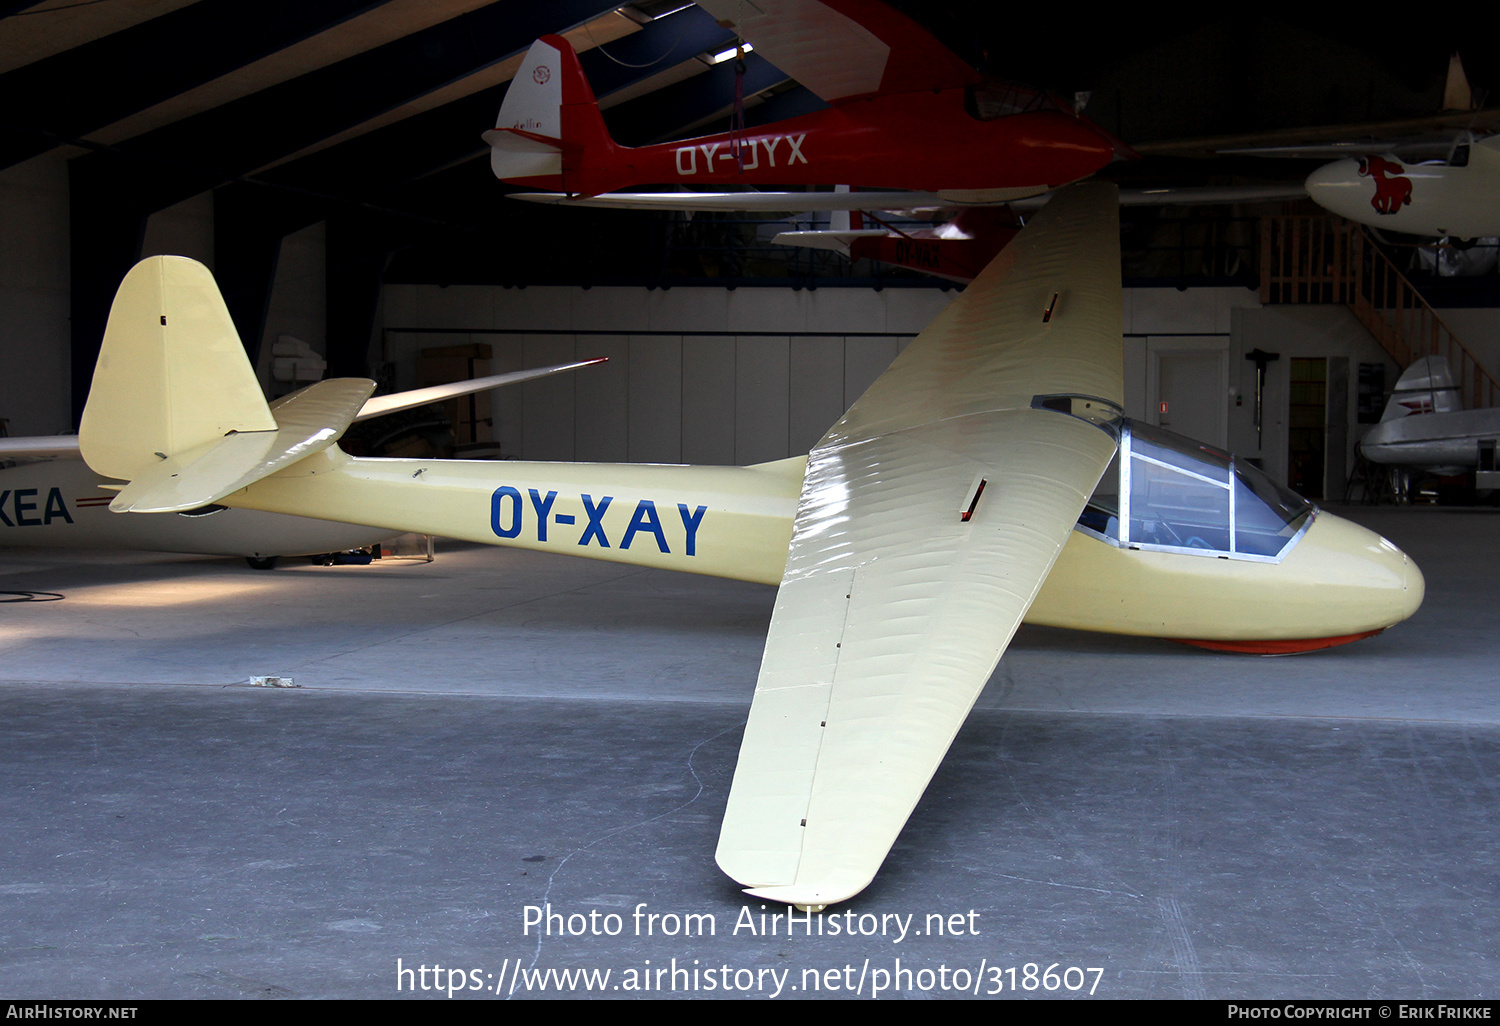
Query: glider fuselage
[[921, 141], [1337, 581], [1445, 199]]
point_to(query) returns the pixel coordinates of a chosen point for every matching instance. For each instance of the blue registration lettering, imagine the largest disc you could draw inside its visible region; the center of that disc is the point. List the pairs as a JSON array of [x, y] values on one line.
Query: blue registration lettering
[[543, 506], [596, 520], [502, 493], [645, 519], [3, 518], [690, 522]]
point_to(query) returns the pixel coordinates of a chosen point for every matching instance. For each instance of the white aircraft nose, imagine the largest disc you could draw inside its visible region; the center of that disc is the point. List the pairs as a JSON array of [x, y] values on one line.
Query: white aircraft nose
[[1339, 187]]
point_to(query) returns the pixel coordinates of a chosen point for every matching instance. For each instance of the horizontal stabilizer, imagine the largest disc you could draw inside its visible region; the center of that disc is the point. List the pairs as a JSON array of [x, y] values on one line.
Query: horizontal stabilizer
[[308, 422], [516, 154]]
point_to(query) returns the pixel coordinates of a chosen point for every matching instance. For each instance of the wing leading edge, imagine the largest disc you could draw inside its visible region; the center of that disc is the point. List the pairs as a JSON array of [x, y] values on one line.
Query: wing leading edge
[[929, 517]]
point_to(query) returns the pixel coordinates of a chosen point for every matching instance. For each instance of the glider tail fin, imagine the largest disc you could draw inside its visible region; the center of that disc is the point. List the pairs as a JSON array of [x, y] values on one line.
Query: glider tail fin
[[550, 129], [175, 408], [172, 374]]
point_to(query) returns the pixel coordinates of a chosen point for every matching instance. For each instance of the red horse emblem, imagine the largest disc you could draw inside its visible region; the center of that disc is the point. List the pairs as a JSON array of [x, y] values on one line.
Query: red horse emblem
[[541, 73], [1390, 192]]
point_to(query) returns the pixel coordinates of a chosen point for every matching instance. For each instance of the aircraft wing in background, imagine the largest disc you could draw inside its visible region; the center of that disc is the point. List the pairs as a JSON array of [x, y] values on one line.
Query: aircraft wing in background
[[47, 447], [841, 49]]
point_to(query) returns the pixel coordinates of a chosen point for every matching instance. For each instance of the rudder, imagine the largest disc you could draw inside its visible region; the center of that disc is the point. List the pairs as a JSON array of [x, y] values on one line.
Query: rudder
[[550, 130]]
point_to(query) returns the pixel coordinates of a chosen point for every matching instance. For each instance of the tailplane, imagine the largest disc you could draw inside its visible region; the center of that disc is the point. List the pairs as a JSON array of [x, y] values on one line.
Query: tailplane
[[550, 133]]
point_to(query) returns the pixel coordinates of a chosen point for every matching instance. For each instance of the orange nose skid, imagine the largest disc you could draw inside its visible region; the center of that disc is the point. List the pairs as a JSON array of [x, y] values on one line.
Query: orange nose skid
[[1290, 647]]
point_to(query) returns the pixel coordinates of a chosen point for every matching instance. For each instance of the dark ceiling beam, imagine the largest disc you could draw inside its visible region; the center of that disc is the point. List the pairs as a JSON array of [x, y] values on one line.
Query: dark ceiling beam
[[115, 190], [15, 6], [207, 149], [75, 92]]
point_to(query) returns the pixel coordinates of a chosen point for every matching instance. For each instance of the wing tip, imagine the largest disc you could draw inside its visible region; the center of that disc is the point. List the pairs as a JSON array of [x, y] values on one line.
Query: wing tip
[[808, 897]]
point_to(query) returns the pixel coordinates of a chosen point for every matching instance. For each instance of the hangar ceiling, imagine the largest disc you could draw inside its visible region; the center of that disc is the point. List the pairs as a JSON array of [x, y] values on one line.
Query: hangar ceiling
[[366, 115]]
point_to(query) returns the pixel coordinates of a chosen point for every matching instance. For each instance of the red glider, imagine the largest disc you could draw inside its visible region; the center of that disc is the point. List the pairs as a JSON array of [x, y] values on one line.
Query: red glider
[[904, 113]]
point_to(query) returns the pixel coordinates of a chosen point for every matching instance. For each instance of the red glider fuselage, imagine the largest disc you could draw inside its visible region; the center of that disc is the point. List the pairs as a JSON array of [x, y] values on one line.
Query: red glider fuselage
[[925, 140]]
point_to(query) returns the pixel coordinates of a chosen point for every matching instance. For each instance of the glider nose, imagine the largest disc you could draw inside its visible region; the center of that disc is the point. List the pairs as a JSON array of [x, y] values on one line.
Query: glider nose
[[1376, 584], [1338, 187]]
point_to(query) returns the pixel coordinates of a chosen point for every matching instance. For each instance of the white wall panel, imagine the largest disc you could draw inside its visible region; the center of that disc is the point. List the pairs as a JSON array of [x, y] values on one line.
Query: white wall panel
[[816, 390], [458, 306], [603, 400], [548, 427], [708, 399], [507, 405], [844, 311], [655, 399], [865, 359], [912, 309], [688, 310], [536, 308], [611, 309], [1190, 311], [772, 310], [761, 399], [1135, 378]]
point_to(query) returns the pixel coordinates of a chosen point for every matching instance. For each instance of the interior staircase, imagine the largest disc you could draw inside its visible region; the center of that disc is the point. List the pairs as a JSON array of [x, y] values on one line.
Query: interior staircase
[[1323, 259]]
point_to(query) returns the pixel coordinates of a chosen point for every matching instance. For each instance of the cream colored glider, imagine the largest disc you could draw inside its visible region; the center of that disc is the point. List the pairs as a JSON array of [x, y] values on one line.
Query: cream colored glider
[[908, 545], [929, 518]]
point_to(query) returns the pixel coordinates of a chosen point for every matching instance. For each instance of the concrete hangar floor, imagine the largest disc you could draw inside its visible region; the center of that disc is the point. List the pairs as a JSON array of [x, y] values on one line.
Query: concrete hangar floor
[[500, 730]]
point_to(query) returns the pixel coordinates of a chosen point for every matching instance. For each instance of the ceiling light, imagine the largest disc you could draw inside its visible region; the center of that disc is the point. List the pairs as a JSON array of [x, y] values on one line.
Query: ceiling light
[[724, 55]]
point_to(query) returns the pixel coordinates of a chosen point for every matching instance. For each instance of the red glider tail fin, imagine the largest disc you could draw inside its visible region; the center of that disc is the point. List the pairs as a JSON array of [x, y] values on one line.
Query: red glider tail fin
[[550, 132]]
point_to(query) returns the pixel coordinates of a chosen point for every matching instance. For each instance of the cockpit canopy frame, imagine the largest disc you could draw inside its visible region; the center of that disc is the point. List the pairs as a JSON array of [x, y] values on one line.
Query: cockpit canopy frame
[[1167, 493]]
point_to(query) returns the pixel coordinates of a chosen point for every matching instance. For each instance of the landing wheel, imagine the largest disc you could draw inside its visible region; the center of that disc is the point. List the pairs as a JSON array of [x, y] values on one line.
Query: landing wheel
[[261, 562]]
